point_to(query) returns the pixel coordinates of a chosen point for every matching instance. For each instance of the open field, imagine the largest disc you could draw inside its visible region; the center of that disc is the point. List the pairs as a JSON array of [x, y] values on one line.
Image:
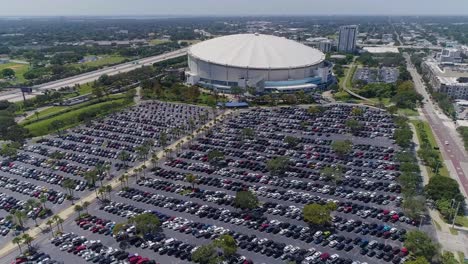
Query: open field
[[408, 112], [442, 171], [19, 69], [159, 41], [46, 112], [71, 118], [103, 60]]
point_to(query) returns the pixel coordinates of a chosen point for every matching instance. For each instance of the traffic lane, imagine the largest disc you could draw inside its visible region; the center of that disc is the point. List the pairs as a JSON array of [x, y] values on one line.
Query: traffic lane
[[456, 157]]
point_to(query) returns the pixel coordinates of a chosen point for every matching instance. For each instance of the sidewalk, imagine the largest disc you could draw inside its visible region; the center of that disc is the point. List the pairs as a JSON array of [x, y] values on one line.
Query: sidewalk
[[115, 183], [447, 241]]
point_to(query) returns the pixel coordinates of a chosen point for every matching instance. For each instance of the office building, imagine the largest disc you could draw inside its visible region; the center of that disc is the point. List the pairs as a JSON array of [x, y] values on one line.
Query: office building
[[347, 38]]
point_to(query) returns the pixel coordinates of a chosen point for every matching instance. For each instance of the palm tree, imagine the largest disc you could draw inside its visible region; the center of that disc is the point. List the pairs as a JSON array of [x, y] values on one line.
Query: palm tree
[[19, 218], [101, 191], [18, 240], [78, 208], [50, 222], [190, 178], [121, 180], [91, 178], [70, 185], [143, 168], [108, 189], [43, 200], [154, 160], [126, 177], [36, 113], [100, 169], [58, 221], [30, 205], [85, 206], [27, 239], [124, 157]]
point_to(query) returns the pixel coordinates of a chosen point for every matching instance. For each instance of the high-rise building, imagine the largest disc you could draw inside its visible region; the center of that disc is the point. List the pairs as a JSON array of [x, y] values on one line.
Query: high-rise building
[[347, 38]]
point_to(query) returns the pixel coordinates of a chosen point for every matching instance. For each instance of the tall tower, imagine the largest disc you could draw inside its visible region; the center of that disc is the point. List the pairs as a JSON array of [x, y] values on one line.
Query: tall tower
[[347, 38]]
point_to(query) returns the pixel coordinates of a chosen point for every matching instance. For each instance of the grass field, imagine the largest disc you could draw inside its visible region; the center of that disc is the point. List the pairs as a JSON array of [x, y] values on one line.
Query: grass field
[[408, 112], [49, 111], [103, 60], [442, 171], [19, 69], [70, 119], [462, 221], [158, 41], [84, 89]]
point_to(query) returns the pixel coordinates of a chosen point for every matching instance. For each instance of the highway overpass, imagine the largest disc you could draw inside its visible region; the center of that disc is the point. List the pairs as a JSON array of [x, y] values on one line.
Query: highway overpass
[[15, 95]]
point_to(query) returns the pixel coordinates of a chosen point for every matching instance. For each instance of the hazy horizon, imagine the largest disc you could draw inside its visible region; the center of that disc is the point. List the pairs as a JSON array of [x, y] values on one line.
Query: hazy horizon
[[158, 8]]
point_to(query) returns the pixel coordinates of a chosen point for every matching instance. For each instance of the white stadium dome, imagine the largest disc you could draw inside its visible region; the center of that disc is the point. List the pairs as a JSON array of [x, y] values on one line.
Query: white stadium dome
[[256, 60], [256, 51]]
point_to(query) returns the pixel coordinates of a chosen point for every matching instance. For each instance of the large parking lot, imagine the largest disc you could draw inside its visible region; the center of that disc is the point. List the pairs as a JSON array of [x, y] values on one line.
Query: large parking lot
[[44, 164], [368, 224]]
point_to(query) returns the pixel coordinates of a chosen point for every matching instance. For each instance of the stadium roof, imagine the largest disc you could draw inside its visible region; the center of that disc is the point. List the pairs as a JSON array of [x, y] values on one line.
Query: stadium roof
[[256, 51]]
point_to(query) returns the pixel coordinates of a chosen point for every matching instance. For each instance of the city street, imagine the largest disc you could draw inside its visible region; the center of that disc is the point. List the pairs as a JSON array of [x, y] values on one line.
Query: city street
[[452, 151]]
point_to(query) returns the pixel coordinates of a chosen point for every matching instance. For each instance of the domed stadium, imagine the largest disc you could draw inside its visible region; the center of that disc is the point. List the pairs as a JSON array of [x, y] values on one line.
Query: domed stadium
[[268, 63]]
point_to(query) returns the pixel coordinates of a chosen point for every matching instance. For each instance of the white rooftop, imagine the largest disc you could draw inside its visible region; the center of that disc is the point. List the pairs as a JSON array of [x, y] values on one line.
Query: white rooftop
[[256, 51], [381, 49]]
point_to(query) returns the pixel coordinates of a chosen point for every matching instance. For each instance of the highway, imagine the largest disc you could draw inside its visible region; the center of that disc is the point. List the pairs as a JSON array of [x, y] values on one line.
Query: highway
[[15, 95], [452, 151]]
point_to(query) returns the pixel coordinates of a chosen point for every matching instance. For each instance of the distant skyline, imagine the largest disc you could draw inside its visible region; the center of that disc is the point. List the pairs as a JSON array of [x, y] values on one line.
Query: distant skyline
[[230, 7]]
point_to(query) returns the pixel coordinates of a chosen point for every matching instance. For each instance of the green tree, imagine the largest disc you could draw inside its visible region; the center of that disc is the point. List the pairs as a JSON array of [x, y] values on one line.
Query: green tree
[[206, 254], [342, 147], [145, 223], [215, 156], [18, 240], [356, 111], [353, 125], [163, 139], [278, 165], [317, 214], [420, 245], [78, 208], [228, 244], [334, 174], [27, 239], [448, 258], [291, 141], [19, 218], [315, 109], [414, 207], [57, 126], [85, 206], [91, 177], [8, 73], [246, 200], [418, 260], [43, 200], [192, 179], [247, 133], [440, 187], [124, 157], [70, 186]]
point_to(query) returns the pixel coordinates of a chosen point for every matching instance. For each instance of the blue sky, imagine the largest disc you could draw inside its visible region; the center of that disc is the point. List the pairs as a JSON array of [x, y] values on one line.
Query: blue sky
[[231, 7]]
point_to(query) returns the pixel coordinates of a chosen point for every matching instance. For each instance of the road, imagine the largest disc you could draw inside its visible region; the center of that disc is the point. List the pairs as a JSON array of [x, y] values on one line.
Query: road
[[454, 156], [15, 95]]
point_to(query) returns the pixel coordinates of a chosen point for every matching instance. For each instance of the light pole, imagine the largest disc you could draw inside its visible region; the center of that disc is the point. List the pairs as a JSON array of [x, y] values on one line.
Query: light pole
[[455, 214]]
